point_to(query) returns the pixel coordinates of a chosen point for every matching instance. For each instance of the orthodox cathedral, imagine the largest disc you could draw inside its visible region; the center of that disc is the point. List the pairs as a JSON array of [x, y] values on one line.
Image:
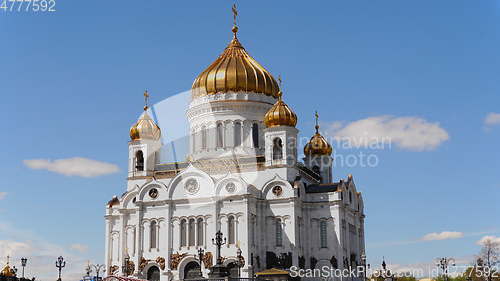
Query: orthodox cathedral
[[242, 177]]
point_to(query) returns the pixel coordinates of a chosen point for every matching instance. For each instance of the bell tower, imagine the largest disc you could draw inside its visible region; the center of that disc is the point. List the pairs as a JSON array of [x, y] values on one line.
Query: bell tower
[[144, 144], [318, 155]]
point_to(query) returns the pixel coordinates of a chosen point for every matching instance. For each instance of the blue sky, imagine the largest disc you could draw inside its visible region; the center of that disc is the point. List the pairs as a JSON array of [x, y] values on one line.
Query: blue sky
[[72, 81]]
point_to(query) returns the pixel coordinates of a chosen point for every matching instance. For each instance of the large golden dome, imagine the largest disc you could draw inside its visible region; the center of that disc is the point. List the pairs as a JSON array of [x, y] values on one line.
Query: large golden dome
[[317, 145], [235, 71], [280, 115]]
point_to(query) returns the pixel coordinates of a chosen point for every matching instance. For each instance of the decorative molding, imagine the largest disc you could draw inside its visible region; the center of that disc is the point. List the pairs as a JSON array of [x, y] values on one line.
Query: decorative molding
[[175, 259], [161, 262], [208, 260]]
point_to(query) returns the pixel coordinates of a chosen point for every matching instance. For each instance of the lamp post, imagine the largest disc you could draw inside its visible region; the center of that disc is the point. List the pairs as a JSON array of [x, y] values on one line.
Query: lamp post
[[98, 268], [240, 258], [23, 264], [363, 260], [219, 242], [443, 264], [218, 270], [60, 264], [201, 253], [125, 268]]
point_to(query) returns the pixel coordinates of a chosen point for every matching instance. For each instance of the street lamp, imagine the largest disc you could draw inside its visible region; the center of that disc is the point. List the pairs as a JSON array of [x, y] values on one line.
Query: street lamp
[[60, 264], [363, 260], [219, 242], [125, 268], [443, 264], [23, 264], [201, 253], [240, 258], [98, 268]]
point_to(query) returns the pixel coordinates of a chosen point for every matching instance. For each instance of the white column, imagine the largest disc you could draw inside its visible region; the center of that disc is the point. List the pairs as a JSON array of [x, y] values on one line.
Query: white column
[[147, 236]]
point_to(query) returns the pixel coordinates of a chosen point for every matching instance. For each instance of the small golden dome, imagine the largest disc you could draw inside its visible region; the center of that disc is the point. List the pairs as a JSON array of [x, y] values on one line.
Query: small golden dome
[[145, 128], [234, 71], [317, 145], [280, 115], [7, 271]]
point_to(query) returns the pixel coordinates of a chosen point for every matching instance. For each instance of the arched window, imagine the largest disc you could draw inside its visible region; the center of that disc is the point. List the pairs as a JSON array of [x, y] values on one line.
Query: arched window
[[237, 134], [219, 136], [139, 161], [183, 233], [203, 137], [191, 232], [279, 233], [350, 196], [277, 149], [231, 230], [323, 234], [152, 234], [255, 135], [200, 232]]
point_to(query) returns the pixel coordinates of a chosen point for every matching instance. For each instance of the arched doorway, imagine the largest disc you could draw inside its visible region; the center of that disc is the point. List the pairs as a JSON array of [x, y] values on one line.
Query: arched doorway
[[154, 273], [192, 270], [233, 270]]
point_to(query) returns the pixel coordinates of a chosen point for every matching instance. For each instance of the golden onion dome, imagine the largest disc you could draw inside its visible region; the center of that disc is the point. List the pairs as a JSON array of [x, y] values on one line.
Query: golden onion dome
[[145, 129], [280, 115], [317, 145], [235, 71]]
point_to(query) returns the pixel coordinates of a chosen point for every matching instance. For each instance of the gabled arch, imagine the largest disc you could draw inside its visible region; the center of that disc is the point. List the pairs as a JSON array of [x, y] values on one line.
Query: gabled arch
[[240, 185], [189, 172], [144, 189], [287, 189]]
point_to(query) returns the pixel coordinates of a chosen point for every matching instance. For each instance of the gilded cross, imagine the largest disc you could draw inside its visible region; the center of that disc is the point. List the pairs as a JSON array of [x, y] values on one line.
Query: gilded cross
[[235, 13], [316, 115], [146, 99]]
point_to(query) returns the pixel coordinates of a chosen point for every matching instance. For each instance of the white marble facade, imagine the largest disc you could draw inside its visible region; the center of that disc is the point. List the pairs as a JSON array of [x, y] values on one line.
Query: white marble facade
[[233, 182]]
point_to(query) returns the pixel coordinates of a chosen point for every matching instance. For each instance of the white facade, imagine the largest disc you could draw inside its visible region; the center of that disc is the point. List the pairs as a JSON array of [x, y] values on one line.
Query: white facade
[[264, 201]]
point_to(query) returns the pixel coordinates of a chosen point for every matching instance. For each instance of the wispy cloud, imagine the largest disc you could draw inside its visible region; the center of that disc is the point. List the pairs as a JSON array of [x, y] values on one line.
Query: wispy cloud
[[428, 269], [445, 235], [411, 133], [492, 119], [77, 166], [484, 239], [3, 195], [79, 247], [431, 237], [41, 254]]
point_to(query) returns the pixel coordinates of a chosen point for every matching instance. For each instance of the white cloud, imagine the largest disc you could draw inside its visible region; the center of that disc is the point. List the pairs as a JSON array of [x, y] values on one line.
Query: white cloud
[[442, 235], [2, 195], [9, 248], [486, 238], [412, 133], [40, 253], [428, 269], [79, 247], [77, 166], [492, 119]]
